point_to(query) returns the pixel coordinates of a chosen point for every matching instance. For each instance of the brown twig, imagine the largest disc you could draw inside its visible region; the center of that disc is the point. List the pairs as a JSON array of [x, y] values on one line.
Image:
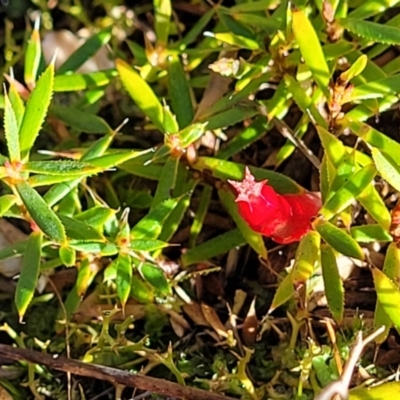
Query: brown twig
[[112, 375]]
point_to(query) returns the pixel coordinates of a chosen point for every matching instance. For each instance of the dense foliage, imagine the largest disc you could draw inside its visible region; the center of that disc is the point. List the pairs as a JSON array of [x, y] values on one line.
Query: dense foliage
[[120, 154]]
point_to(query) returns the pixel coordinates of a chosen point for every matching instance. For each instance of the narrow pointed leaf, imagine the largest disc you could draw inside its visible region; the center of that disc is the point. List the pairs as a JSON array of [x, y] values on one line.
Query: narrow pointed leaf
[[141, 93], [333, 284], [76, 82], [374, 31], [370, 234], [307, 257], [79, 230], [11, 130], [179, 92], [29, 273], [391, 268], [339, 239], [388, 295], [82, 121], [373, 203], [156, 278], [36, 110], [62, 167], [311, 49], [67, 255], [150, 226], [84, 52], [17, 103], [283, 294], [387, 168], [33, 54], [345, 196], [124, 276], [162, 14], [213, 247], [41, 213]]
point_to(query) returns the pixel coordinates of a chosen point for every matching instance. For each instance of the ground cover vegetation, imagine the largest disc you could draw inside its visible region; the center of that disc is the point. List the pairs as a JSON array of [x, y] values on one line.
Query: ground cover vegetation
[[201, 192]]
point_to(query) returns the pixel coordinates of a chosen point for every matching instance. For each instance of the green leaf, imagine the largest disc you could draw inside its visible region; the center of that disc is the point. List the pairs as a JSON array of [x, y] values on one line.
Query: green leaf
[[147, 245], [284, 292], [79, 230], [387, 168], [388, 295], [352, 188], [376, 88], [373, 203], [76, 82], [45, 180], [307, 258], [69, 168], [389, 390], [311, 49], [102, 249], [84, 52], [213, 247], [82, 121], [222, 169], [373, 137], [86, 274], [41, 213], [150, 226], [333, 284], [355, 69], [370, 234], [230, 117], [198, 28], [191, 134], [267, 24], [166, 183], [235, 40], [124, 276], [17, 103], [29, 273], [115, 158], [162, 15], [6, 202], [257, 129], [96, 216], [141, 291], [11, 130], [36, 110], [303, 100], [156, 278], [141, 93], [391, 268], [33, 54], [374, 31], [254, 239], [200, 215], [67, 255], [334, 148], [339, 239]]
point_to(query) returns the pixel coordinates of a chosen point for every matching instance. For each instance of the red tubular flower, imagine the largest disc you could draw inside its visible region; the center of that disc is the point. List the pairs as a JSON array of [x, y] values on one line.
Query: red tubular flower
[[284, 218]]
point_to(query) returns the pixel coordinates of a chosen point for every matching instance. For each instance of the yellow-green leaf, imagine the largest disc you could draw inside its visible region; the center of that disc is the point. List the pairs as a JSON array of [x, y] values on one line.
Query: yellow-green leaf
[[29, 273], [333, 284], [311, 49], [141, 93], [388, 295]]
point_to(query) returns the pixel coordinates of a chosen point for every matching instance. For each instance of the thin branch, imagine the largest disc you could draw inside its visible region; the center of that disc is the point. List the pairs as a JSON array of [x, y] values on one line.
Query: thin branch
[[112, 375]]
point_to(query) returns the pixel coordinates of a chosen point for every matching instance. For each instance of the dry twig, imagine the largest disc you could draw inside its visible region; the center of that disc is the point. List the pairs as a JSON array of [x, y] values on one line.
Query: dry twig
[[112, 375]]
